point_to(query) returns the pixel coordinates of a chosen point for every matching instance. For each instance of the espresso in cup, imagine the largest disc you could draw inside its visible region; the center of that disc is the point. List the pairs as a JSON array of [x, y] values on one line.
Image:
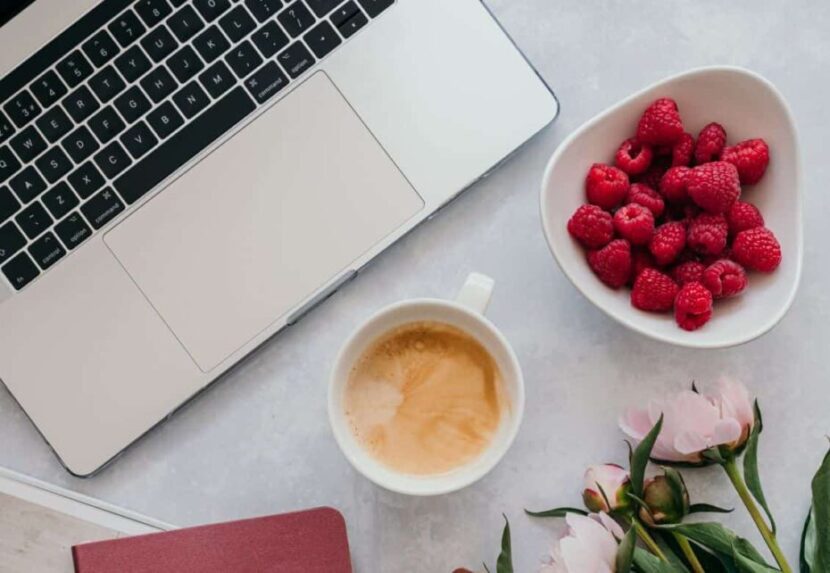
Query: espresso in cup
[[425, 398]]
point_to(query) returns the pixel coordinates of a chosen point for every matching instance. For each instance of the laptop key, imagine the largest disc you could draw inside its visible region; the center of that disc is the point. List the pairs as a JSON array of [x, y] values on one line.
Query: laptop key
[[296, 19], [191, 99], [28, 184], [159, 43], [106, 124], [11, 241], [322, 39], [112, 160], [60, 200], [73, 230], [152, 11], [133, 64], [86, 180], [350, 27], [344, 13], [107, 84], [80, 144], [184, 145], [243, 59], [266, 82], [237, 23], [217, 79], [270, 39], [323, 7], [159, 84], [139, 140], [20, 271], [48, 89], [54, 124], [80, 104], [211, 9], [296, 59], [185, 64], [132, 104], [54, 164], [22, 109], [9, 165], [47, 251], [127, 28], [375, 7], [165, 120], [28, 144], [8, 204], [74, 69], [6, 129], [33, 220], [185, 23], [211, 44], [102, 208], [263, 9], [100, 49]]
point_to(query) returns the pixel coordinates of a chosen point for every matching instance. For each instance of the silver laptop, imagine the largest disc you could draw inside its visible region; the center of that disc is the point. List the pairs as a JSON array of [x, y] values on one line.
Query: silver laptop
[[180, 179]]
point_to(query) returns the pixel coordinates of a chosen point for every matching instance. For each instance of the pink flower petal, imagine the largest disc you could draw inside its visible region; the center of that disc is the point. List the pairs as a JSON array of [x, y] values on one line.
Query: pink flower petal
[[726, 432]]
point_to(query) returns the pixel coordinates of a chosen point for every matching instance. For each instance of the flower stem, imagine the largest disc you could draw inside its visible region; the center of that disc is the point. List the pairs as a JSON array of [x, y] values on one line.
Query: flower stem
[[731, 467], [689, 553], [645, 536]]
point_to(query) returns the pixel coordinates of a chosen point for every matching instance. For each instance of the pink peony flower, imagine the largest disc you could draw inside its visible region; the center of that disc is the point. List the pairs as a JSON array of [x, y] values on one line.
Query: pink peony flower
[[694, 423], [589, 546], [604, 485]]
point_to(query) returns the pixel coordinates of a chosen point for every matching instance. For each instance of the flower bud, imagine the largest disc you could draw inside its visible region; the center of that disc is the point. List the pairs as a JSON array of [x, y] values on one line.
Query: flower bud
[[667, 499], [606, 489]]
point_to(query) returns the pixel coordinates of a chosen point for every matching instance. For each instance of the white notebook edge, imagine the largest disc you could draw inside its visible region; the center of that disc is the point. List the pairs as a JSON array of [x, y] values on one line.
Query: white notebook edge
[[78, 505]]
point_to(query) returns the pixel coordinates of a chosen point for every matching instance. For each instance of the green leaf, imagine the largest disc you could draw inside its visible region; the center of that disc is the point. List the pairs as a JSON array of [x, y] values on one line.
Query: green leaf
[[708, 508], [556, 512], [625, 552], [751, 475], [505, 561], [715, 537], [666, 542], [648, 563], [808, 544], [711, 561], [641, 456], [746, 564], [817, 532]]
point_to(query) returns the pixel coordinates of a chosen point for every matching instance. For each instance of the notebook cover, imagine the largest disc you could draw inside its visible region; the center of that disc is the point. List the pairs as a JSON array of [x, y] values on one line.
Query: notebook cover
[[313, 541]]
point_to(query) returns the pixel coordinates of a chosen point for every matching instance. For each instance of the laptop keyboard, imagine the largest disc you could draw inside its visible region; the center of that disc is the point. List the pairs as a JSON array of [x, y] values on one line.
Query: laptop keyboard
[[130, 93]]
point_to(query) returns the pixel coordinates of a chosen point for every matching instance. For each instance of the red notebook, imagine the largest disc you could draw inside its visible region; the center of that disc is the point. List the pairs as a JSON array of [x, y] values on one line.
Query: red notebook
[[312, 541]]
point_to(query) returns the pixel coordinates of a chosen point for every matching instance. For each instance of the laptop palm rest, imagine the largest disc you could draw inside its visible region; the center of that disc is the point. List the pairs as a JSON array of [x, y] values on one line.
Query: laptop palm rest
[[259, 226]]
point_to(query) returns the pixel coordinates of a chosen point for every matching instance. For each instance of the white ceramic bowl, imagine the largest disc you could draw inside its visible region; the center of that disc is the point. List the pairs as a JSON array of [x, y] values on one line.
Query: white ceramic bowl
[[748, 106]]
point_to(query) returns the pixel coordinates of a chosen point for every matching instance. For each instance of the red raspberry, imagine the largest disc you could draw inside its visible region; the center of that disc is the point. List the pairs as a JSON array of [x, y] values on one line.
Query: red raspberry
[[757, 249], [724, 278], [710, 143], [707, 234], [591, 226], [714, 186], [647, 197], [688, 272], [660, 123], [751, 157], [651, 178], [668, 242], [683, 151], [674, 184], [634, 223], [606, 186], [612, 263], [653, 291], [693, 306], [633, 157], [743, 216], [641, 260]]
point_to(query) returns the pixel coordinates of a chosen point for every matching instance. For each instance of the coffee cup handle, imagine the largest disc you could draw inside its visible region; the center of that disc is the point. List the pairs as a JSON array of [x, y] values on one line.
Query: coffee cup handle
[[476, 292]]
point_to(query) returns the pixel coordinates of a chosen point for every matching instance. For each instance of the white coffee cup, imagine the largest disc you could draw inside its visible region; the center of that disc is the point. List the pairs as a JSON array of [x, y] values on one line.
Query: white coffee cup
[[467, 314]]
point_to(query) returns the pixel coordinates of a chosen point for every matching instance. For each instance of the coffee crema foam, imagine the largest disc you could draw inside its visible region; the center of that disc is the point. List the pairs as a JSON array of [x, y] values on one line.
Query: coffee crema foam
[[425, 398]]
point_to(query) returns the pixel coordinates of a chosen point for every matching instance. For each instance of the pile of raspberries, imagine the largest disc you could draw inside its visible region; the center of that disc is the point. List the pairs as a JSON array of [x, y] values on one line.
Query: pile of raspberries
[[667, 218]]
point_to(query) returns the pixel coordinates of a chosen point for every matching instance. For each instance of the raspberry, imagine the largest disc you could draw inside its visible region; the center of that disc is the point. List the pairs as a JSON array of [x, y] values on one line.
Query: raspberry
[[591, 226], [647, 197], [606, 186], [668, 242], [634, 223], [688, 272], [710, 143], [683, 151], [674, 184], [693, 306], [714, 186], [707, 234], [724, 278], [653, 291], [743, 216], [651, 178], [633, 157], [612, 263], [751, 157], [641, 260], [757, 249], [660, 123]]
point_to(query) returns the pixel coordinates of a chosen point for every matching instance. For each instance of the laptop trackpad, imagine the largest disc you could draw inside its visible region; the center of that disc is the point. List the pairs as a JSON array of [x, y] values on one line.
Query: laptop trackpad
[[245, 236]]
